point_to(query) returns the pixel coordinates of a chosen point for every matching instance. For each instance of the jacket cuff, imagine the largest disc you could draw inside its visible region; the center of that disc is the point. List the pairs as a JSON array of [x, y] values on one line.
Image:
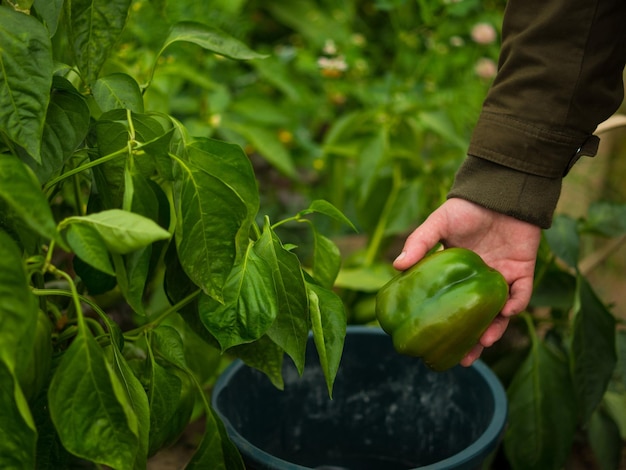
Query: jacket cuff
[[519, 194], [528, 148]]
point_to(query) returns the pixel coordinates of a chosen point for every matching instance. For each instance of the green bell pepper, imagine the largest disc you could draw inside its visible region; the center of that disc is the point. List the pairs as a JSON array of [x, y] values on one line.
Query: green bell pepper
[[439, 308]]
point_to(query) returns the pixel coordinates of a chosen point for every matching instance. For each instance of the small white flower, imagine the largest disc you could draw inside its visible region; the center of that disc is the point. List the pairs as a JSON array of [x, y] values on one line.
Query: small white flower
[[485, 68], [483, 33], [330, 48]]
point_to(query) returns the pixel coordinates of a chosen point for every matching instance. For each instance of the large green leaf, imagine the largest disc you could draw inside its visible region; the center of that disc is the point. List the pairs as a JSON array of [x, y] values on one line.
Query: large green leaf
[[18, 317], [18, 434], [20, 190], [121, 231], [328, 322], [290, 330], [66, 126], [93, 29], [118, 91], [133, 396], [250, 304], [18, 307], [211, 39], [164, 393], [216, 200], [50, 13], [542, 411], [90, 407], [593, 349], [25, 79], [264, 355]]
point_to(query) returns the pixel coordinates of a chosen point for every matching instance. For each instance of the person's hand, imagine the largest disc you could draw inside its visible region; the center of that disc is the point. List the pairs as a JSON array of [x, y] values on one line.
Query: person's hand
[[505, 243]]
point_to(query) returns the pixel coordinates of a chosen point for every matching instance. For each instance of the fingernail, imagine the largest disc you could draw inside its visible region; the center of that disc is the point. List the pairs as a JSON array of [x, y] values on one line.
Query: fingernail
[[400, 256]]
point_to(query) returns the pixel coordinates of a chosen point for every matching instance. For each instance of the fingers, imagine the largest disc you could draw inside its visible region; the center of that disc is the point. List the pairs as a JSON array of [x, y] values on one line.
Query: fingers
[[471, 356], [519, 296], [495, 331]]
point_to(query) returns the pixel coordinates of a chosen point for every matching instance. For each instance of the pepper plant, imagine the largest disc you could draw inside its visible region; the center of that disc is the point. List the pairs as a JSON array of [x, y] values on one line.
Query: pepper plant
[[132, 254]]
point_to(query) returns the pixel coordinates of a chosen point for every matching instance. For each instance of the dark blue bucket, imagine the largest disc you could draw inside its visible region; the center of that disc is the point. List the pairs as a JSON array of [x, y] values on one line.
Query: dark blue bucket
[[388, 412]]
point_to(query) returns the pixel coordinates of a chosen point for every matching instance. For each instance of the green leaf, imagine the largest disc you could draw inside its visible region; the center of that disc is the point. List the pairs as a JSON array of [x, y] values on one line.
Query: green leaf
[[542, 411], [26, 75], [90, 407], [365, 279], [18, 308], [118, 91], [290, 329], [440, 124], [216, 451], [328, 322], [563, 239], [324, 207], [211, 39], [264, 355], [410, 200], [326, 260], [86, 242], [370, 158], [20, 190], [18, 318], [18, 434], [216, 200], [135, 396], [606, 218], [50, 12], [164, 391], [133, 269], [93, 29], [556, 288], [95, 281], [615, 406], [605, 441], [121, 231], [268, 145], [65, 128], [250, 304], [168, 344], [593, 349]]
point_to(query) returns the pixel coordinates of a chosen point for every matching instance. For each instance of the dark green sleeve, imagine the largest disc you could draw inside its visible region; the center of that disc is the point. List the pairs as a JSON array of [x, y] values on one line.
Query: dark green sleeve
[[559, 76]]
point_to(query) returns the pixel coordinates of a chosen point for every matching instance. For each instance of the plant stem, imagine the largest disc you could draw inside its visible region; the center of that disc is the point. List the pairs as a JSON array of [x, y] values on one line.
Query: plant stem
[[161, 317], [379, 232], [64, 293], [82, 325], [597, 257], [84, 167]]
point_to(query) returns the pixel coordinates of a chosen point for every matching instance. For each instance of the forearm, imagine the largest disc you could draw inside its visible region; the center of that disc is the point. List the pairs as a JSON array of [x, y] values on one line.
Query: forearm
[[560, 75]]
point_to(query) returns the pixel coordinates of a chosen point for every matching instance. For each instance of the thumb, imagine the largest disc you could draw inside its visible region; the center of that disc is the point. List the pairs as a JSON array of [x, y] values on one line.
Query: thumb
[[418, 243]]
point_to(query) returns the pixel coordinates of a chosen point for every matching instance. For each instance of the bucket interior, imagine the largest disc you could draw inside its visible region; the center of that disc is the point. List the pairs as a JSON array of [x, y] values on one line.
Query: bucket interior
[[387, 412]]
